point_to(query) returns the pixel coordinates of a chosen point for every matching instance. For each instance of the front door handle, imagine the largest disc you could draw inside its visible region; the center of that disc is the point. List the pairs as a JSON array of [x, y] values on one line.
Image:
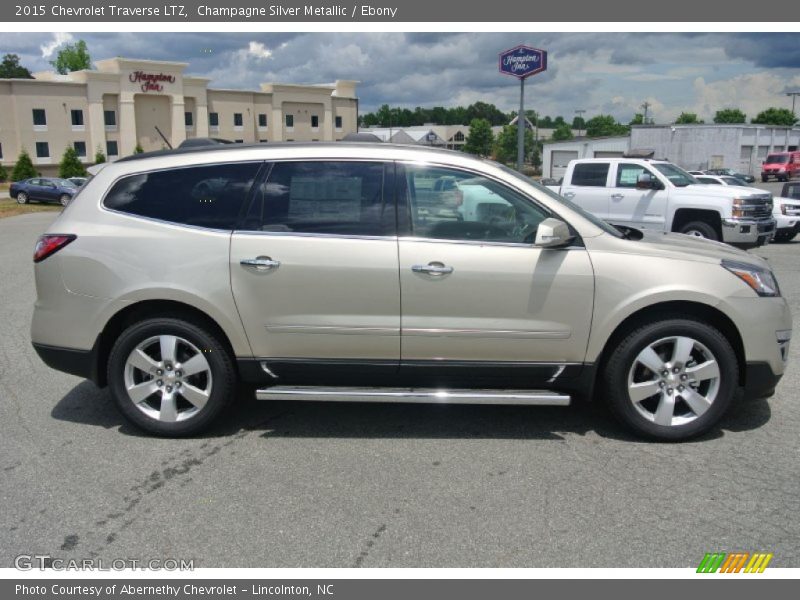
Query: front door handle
[[433, 268], [568, 195], [261, 263], [617, 196]]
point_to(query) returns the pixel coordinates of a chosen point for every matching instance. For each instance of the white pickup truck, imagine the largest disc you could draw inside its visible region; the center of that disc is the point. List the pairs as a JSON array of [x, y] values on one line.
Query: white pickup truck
[[651, 194]]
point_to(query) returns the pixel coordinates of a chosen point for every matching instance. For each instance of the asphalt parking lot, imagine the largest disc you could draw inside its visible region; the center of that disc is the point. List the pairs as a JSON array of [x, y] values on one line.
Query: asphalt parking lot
[[347, 485]]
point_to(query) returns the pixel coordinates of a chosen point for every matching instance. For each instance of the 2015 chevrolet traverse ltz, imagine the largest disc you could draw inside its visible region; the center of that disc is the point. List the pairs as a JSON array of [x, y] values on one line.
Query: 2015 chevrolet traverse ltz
[[373, 272]]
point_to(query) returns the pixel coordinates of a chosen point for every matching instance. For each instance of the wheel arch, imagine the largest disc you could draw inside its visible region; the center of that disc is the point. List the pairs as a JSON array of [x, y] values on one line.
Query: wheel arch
[[678, 310], [146, 309], [683, 216]]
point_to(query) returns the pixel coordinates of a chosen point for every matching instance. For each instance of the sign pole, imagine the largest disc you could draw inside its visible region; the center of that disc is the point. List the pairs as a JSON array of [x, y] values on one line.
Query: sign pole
[[521, 125]]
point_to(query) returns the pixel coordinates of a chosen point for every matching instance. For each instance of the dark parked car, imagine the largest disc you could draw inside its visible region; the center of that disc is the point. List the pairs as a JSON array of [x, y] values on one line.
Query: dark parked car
[[43, 189], [731, 173]]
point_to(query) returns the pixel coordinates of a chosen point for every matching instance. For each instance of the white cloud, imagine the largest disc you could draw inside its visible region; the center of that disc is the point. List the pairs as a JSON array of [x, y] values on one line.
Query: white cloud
[[259, 50], [750, 92], [59, 38]]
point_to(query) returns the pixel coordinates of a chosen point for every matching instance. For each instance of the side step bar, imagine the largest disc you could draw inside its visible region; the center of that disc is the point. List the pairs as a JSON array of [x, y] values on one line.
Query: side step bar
[[416, 395]]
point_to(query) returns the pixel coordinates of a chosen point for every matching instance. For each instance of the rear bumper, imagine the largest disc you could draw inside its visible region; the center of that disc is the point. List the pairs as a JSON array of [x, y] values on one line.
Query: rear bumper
[[82, 363]]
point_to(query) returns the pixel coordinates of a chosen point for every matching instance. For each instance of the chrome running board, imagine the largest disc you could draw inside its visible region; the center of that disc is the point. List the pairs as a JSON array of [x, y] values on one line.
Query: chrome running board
[[416, 395]]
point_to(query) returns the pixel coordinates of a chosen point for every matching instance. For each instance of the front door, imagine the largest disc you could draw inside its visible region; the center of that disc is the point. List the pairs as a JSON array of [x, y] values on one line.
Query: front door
[[480, 303], [640, 208], [314, 268]]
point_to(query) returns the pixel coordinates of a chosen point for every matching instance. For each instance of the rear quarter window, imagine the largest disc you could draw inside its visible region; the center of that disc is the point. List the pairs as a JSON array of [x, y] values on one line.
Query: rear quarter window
[[208, 196], [590, 174]]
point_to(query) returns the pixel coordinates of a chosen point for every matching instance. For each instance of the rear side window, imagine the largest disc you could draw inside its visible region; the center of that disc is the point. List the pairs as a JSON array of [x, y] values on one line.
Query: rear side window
[[205, 196], [590, 174], [323, 197]]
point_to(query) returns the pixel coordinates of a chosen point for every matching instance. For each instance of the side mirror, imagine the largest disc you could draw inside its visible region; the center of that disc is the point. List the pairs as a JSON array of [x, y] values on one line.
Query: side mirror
[[552, 233], [645, 181]]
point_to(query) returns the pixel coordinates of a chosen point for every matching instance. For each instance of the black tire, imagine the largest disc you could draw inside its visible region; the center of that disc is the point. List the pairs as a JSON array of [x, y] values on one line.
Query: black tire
[[784, 237], [22, 198], [223, 374], [621, 361], [700, 229], [764, 179], [64, 199]]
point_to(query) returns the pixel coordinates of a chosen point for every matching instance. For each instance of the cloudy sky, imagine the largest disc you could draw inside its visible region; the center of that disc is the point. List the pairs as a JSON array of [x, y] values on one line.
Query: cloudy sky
[[600, 72]]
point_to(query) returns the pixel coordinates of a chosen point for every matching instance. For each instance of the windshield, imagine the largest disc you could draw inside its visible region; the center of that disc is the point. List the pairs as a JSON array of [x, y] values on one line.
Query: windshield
[[677, 176], [778, 158], [571, 205]]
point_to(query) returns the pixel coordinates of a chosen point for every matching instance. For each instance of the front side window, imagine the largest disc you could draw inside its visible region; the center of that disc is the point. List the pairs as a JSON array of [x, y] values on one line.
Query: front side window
[[39, 117], [590, 174], [42, 150], [458, 205], [628, 174], [324, 197], [77, 117], [204, 196]]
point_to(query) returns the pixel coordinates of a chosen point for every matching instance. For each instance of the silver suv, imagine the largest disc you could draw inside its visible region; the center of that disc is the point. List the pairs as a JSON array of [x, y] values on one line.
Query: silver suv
[[372, 272]]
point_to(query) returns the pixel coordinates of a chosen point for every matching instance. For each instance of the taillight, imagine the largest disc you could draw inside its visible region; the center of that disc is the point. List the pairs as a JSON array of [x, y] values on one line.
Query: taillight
[[50, 243]]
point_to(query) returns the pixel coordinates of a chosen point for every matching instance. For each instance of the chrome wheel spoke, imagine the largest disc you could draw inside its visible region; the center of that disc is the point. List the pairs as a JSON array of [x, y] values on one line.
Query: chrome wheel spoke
[[682, 352], [665, 410], [703, 371], [193, 366], [196, 396], [696, 401], [650, 359], [140, 392], [141, 361], [168, 345], [169, 411], [643, 390]]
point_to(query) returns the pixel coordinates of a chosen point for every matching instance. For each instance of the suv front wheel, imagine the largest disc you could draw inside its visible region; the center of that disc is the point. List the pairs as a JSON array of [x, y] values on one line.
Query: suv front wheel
[[170, 376], [671, 380]]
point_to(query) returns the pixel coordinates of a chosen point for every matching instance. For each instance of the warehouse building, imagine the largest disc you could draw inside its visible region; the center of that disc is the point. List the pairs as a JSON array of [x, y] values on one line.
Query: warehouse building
[[153, 104], [556, 155]]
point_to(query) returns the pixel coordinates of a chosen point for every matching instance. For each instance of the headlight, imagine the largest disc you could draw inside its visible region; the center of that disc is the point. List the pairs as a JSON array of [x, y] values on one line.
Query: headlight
[[760, 280]]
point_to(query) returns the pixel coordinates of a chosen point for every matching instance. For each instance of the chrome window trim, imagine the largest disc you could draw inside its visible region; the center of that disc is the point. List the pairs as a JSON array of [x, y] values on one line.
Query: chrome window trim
[[314, 235]]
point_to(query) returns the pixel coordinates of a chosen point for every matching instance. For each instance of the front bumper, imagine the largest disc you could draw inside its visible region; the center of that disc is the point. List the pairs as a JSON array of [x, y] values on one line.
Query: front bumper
[[751, 232]]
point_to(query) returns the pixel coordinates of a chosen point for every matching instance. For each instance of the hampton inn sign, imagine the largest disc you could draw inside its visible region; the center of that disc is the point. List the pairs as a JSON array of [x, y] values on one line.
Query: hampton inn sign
[[151, 82]]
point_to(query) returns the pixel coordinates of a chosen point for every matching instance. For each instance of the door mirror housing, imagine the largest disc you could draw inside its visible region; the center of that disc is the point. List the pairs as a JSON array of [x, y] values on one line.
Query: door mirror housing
[[646, 181], [552, 233]]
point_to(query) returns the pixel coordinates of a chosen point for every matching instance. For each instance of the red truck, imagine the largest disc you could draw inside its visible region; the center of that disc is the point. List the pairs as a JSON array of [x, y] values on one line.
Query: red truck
[[781, 165]]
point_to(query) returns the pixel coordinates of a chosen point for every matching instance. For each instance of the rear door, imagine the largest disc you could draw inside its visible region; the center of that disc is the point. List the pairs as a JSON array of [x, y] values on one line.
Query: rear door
[[588, 187], [640, 208], [314, 267]]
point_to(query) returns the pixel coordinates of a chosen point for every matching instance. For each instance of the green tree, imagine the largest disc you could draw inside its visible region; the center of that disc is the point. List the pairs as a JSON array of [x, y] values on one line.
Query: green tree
[[730, 115], [11, 69], [480, 138], [72, 57], [505, 146], [687, 118], [3, 174], [70, 165], [138, 149], [578, 122], [604, 126], [638, 119], [24, 167], [775, 116], [562, 132], [99, 156]]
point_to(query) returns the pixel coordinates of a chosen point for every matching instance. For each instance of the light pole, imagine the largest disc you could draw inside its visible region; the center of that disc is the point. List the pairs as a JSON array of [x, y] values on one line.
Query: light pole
[[794, 96], [645, 107], [580, 112]]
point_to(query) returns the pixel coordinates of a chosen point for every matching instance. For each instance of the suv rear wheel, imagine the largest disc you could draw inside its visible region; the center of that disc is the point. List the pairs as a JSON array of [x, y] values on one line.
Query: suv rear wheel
[[171, 377], [671, 380]]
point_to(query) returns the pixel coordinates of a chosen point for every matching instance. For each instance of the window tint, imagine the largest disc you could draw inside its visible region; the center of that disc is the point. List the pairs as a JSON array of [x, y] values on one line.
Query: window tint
[[206, 196], [455, 205], [330, 197], [627, 174], [590, 174]]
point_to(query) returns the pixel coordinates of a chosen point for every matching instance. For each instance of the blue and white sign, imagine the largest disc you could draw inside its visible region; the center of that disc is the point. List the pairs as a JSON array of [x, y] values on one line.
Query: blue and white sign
[[523, 61]]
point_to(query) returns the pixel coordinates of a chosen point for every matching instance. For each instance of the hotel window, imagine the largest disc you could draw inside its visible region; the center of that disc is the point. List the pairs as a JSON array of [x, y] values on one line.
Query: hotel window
[[110, 118], [39, 117], [213, 119], [262, 120], [338, 122], [188, 119], [111, 148], [290, 121], [80, 148], [42, 150], [314, 122], [237, 120], [1, 150], [76, 116]]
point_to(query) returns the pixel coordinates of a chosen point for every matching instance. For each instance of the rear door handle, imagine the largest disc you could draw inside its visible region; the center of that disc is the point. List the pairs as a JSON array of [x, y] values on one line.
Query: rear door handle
[[261, 263], [433, 268], [617, 196]]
